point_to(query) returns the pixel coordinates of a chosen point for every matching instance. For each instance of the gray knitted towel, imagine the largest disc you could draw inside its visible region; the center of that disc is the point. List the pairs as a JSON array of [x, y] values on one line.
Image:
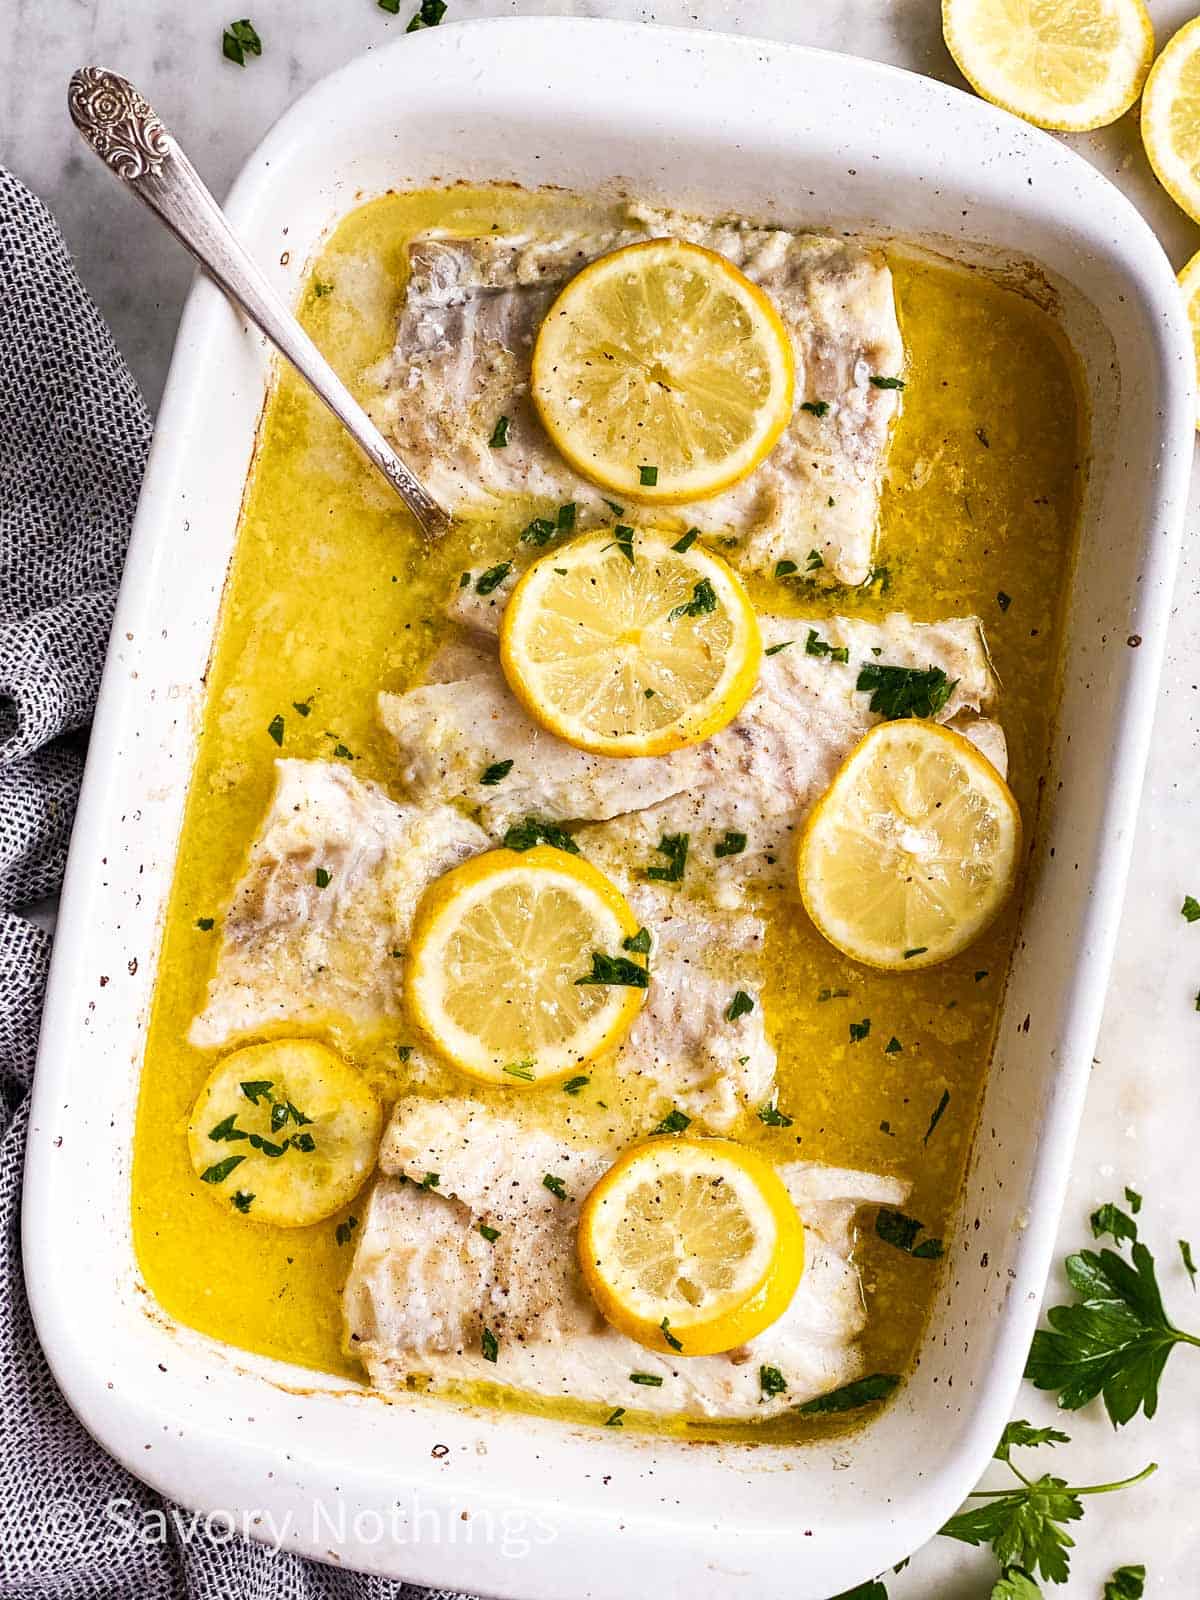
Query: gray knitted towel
[[73, 440]]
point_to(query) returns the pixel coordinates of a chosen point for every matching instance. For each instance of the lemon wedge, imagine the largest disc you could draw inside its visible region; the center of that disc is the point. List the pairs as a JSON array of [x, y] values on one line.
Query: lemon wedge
[[1171, 119], [1189, 282], [912, 850], [524, 965], [1064, 64], [691, 1246], [284, 1132], [627, 644], [661, 372]]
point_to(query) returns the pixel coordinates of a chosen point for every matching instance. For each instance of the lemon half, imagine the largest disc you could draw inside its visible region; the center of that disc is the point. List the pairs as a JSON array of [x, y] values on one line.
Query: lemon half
[[691, 1246], [502, 966], [625, 643], [912, 850], [661, 372], [1064, 64]]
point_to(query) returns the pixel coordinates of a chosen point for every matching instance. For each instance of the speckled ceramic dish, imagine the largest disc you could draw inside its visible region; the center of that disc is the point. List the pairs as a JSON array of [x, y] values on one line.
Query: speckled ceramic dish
[[507, 1504]]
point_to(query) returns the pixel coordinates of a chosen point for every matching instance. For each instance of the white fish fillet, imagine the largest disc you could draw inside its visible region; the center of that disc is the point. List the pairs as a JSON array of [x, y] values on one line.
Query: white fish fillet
[[294, 952], [425, 1283], [759, 775], [462, 358]]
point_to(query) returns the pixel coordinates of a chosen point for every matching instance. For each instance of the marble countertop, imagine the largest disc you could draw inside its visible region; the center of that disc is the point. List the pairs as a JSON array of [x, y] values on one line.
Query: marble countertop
[[1142, 1125]]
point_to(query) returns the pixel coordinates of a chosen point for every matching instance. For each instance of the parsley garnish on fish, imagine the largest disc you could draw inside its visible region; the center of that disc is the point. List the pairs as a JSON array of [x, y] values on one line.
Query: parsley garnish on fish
[[1025, 1526], [649, 1380], [240, 1201], [302, 707], [524, 835], [1114, 1339], [1190, 909], [1003, 600], [431, 1180], [538, 532], [490, 1234], [617, 511], [862, 1392], [675, 1121], [774, 649], [937, 1115], [240, 40], [205, 924], [617, 970], [404, 1051], [499, 434], [818, 408], [917, 950], [322, 878], [814, 645], [255, 1088], [732, 844], [221, 1169], [814, 561], [574, 1085], [648, 476], [906, 691], [493, 577], [520, 1069], [275, 728], [623, 539], [686, 541], [772, 1116], [703, 601], [665, 1325], [344, 1230], [860, 1030], [675, 847], [771, 1381], [894, 1228], [740, 1006], [785, 569], [638, 943], [555, 1185], [429, 15], [613, 1420], [489, 1345], [893, 1047], [496, 773], [564, 517], [886, 383]]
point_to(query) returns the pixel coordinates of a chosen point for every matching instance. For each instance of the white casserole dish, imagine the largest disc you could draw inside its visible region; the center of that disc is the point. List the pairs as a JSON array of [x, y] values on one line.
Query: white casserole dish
[[515, 1505]]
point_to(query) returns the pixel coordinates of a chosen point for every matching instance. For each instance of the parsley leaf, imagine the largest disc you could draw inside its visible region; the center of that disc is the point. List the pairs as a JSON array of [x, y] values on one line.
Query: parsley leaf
[[816, 408], [638, 943], [429, 15], [862, 1392], [555, 1185], [524, 835], [1185, 1251], [675, 1121], [675, 847], [220, 1170], [648, 476], [886, 383], [649, 1380], [344, 1230], [686, 540], [1126, 1583], [616, 970], [772, 1117], [574, 1085], [499, 436], [740, 1006], [1111, 1219], [275, 728], [623, 539], [814, 645], [674, 1343], [1020, 1432], [493, 577], [937, 1115], [489, 1345], [907, 691], [771, 1380], [860, 1030], [704, 600], [1190, 909], [731, 845], [240, 40], [496, 773], [540, 531], [490, 1234], [1014, 1583]]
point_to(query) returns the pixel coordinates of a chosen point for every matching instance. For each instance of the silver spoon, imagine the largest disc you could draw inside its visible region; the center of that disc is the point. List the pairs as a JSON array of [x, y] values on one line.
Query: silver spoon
[[125, 132]]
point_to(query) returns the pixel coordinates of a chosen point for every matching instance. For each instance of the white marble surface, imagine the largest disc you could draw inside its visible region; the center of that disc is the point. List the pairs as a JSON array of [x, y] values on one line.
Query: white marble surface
[[1143, 1117]]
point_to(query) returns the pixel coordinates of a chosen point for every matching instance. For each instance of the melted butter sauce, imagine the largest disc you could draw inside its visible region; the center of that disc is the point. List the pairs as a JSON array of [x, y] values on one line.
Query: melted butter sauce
[[331, 597]]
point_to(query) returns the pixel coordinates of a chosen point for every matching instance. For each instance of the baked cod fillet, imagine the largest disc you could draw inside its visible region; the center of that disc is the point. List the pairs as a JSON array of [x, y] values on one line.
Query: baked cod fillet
[[462, 355], [425, 1282]]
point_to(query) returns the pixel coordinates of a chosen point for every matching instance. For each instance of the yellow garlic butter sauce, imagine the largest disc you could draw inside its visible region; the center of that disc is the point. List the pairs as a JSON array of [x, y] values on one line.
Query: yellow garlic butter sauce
[[331, 597]]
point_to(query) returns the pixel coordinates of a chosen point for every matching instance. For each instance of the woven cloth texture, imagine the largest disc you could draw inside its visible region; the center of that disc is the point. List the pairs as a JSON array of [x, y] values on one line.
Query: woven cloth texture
[[73, 439]]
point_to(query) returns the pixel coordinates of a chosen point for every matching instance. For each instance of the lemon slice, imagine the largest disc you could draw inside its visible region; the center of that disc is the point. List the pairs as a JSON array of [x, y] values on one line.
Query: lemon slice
[[913, 849], [1065, 64], [626, 644], [284, 1132], [1171, 119], [524, 965], [663, 373], [691, 1246], [1189, 282]]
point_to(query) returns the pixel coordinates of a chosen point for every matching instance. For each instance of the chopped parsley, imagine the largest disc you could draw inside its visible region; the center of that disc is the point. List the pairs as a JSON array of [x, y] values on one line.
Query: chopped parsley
[[648, 477], [431, 1180], [894, 1228], [302, 707], [555, 1185], [275, 728], [320, 290], [649, 1380], [205, 924], [862, 1392], [785, 569], [772, 1116], [731, 845], [686, 541], [814, 645], [1003, 600], [937, 1115], [574, 1085], [496, 773], [490, 1234], [917, 950], [638, 943], [818, 408], [240, 40], [428, 15], [520, 1069], [322, 878], [860, 1030], [220, 1170], [771, 1381], [907, 691], [617, 970], [617, 511], [814, 562], [774, 649], [1189, 1266], [540, 531], [886, 383], [665, 1325], [703, 601], [893, 1047], [675, 1121], [1126, 1583], [404, 1051], [344, 1230], [524, 835], [255, 1088], [491, 580], [564, 517], [675, 847], [489, 1345], [1190, 909], [240, 1201], [499, 434], [740, 1006], [613, 1420], [623, 539]]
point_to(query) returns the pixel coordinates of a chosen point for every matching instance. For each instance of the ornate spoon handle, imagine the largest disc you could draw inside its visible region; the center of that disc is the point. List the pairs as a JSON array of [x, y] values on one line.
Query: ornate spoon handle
[[132, 141]]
